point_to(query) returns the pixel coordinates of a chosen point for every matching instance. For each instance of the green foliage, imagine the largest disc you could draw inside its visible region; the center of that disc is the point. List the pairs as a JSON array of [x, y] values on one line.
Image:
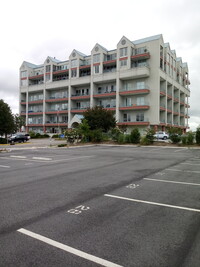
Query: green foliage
[[115, 132], [121, 139], [19, 122], [144, 141], [184, 139], [175, 135], [127, 138], [61, 145], [3, 140], [72, 135], [197, 136], [7, 123], [135, 136], [84, 131], [96, 135], [34, 135], [150, 135], [190, 138], [99, 118]]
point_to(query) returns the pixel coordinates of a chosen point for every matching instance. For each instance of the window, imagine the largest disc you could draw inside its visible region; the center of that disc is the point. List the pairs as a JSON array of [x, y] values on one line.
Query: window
[[123, 51], [140, 50], [48, 68], [47, 77], [24, 74], [140, 101], [140, 117], [96, 58], [126, 117], [73, 73], [74, 63], [123, 63], [127, 101], [140, 85], [23, 82], [96, 69]]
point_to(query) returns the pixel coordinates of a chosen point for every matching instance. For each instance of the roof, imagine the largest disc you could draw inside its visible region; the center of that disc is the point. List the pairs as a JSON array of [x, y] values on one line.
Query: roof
[[30, 65], [147, 39], [55, 59], [81, 54], [102, 47]]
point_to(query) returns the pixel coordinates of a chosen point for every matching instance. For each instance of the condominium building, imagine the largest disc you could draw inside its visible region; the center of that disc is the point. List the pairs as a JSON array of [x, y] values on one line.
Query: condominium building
[[142, 82]]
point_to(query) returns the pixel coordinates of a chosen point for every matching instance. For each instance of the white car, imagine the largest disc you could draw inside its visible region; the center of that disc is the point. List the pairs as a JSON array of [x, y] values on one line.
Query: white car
[[161, 135]]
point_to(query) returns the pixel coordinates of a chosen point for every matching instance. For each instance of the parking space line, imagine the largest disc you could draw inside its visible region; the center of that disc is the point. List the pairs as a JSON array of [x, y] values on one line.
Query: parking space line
[[192, 164], [152, 203], [176, 170], [18, 157], [3, 166], [168, 181], [68, 249], [41, 158]]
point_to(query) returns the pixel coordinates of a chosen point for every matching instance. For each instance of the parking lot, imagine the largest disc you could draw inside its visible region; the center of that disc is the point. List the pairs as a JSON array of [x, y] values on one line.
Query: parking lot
[[100, 206]]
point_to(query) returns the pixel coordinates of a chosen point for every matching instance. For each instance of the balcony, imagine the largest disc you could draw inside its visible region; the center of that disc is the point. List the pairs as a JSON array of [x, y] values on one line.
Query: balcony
[[141, 55], [144, 122], [37, 77], [135, 107], [162, 92], [39, 101], [80, 96], [135, 91], [109, 107], [105, 94], [58, 99], [79, 110], [176, 100], [34, 112], [137, 72], [55, 124], [53, 111]]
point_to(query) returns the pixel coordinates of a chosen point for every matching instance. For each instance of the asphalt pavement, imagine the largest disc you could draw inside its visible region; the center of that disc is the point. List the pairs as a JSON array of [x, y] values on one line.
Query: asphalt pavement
[[99, 206]]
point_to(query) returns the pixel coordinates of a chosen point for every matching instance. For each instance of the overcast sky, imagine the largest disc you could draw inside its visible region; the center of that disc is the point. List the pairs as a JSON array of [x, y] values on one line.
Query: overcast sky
[[33, 30]]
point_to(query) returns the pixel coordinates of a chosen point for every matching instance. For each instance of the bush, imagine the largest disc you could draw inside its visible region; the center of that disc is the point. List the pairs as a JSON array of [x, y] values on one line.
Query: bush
[[115, 132], [3, 140], [135, 136], [127, 138], [197, 136], [61, 145], [96, 135], [55, 136], [121, 139], [190, 138], [144, 141], [184, 139], [150, 135], [175, 138]]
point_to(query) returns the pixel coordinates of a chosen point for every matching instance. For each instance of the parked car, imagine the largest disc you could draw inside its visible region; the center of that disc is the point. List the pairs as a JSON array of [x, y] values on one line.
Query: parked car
[[161, 135], [21, 138], [28, 136]]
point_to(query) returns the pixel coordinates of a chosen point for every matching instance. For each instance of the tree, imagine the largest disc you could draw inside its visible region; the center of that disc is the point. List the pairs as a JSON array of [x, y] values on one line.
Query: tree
[[7, 123], [19, 122], [197, 136], [99, 118], [175, 134], [135, 136]]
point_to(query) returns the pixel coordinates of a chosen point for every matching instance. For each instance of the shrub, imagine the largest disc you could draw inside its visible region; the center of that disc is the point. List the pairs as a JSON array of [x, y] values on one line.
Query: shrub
[[96, 135], [55, 136], [190, 138], [197, 136], [175, 138], [144, 141], [150, 135], [121, 139], [184, 139], [127, 138], [115, 132], [61, 145], [135, 136], [3, 140]]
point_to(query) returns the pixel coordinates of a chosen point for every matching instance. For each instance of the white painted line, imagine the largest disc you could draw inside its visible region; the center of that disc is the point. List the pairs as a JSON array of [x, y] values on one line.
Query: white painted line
[[18, 157], [168, 181], [3, 166], [69, 249], [176, 170], [192, 164], [152, 203], [180, 150], [41, 158]]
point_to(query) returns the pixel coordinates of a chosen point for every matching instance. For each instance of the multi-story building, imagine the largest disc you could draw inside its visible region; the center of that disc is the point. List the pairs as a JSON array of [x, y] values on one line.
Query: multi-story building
[[143, 82]]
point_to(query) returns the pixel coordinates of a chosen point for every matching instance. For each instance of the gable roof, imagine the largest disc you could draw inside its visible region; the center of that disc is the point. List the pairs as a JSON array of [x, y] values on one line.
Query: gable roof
[[147, 39]]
